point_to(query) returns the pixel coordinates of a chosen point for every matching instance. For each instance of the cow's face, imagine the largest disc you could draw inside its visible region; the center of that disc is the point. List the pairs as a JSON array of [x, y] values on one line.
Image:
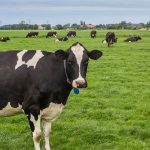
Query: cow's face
[[115, 40], [139, 38], [76, 59]]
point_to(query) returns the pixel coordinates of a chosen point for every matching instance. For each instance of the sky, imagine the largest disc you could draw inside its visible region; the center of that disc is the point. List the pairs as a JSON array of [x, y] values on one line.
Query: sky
[[73, 11]]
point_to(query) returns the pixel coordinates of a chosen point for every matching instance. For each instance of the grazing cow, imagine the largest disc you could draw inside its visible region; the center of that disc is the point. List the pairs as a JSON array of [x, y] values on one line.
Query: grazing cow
[[61, 39], [110, 38], [32, 34], [71, 34], [38, 83], [51, 34], [93, 34], [133, 39], [4, 39]]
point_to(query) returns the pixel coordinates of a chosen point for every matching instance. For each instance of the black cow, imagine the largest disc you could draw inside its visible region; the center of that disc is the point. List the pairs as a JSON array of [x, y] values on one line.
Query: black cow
[[4, 39], [110, 38], [62, 39], [32, 34], [133, 39], [93, 34], [38, 83], [71, 34], [51, 34]]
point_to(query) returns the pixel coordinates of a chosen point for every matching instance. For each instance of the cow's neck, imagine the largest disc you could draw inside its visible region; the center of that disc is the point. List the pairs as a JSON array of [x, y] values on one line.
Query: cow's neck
[[66, 72]]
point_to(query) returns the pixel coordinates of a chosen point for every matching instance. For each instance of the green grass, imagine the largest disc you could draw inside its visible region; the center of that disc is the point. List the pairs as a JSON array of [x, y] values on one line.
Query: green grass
[[113, 113]]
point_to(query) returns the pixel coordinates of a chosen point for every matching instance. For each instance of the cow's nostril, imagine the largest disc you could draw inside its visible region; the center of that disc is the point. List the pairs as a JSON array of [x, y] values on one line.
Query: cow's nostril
[[80, 82]]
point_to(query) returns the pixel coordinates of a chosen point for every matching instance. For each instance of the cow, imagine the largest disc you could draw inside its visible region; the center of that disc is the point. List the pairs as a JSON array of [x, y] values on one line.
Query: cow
[[62, 39], [93, 34], [38, 84], [32, 34], [4, 39], [133, 39], [110, 38], [51, 34], [71, 34]]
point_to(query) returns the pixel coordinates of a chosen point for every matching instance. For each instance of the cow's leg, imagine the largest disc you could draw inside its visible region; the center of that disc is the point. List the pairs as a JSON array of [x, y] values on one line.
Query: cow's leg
[[34, 117], [46, 130], [36, 133]]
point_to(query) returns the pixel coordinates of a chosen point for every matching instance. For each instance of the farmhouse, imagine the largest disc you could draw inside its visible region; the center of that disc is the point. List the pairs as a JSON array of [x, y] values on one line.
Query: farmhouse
[[90, 26]]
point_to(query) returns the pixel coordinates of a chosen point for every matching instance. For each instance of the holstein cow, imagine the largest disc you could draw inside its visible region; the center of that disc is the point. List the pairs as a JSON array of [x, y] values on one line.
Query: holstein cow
[[51, 34], [133, 39], [4, 39], [38, 83], [32, 34], [110, 38], [61, 39], [93, 34], [71, 34]]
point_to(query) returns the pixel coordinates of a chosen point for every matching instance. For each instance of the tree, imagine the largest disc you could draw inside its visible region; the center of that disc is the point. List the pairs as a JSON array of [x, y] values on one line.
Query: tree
[[35, 27], [82, 23], [122, 25], [66, 26], [75, 26], [22, 22], [46, 26], [58, 27], [148, 25]]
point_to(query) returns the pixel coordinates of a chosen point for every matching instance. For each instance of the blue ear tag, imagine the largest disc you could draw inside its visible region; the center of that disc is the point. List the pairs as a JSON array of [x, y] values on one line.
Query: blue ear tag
[[76, 90]]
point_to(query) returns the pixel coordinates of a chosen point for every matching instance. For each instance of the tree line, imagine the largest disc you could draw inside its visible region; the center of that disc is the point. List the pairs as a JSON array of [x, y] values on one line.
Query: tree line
[[82, 26]]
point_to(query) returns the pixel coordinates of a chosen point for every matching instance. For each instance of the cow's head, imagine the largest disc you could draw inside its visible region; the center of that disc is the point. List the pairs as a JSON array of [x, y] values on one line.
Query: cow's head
[[76, 62], [115, 40], [139, 38], [65, 38]]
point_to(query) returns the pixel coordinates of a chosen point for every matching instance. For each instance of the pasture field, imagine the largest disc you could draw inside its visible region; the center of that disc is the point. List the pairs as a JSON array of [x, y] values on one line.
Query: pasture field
[[113, 113]]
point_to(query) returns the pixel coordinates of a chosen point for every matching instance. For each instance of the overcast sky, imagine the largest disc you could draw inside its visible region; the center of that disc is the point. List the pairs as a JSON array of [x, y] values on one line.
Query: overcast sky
[[72, 11]]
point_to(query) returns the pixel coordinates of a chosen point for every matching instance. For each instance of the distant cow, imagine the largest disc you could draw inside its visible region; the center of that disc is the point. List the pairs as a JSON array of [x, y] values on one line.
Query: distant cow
[[110, 38], [133, 39], [38, 84], [32, 34], [51, 34], [93, 34], [4, 39], [62, 39], [71, 34]]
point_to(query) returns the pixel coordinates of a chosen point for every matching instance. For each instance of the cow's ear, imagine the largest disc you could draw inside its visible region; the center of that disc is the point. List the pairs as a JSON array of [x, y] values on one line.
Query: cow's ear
[[61, 54], [95, 54]]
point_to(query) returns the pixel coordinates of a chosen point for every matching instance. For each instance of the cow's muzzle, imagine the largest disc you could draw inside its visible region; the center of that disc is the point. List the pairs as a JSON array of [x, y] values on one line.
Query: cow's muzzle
[[79, 83]]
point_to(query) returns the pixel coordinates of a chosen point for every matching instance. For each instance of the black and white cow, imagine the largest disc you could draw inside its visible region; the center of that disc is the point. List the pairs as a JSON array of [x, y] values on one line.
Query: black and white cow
[[110, 38], [93, 34], [38, 83], [133, 39], [62, 39], [51, 34], [32, 34], [71, 34], [4, 39]]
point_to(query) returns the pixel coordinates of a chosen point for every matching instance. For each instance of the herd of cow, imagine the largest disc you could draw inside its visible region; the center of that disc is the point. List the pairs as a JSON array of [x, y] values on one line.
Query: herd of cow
[[110, 37], [53, 34]]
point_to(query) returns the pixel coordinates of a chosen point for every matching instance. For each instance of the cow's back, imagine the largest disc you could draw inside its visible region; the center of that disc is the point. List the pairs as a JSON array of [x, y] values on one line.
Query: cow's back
[[25, 73]]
